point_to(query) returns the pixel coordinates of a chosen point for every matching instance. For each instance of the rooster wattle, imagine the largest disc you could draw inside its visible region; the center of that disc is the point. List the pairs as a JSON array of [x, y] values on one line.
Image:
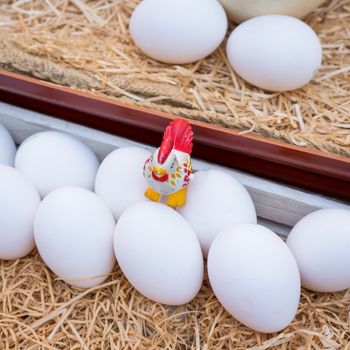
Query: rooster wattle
[[168, 170]]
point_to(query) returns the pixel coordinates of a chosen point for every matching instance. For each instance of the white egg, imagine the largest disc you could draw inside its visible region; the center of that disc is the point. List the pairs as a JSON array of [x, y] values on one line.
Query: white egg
[[19, 201], [73, 231], [119, 180], [320, 243], [178, 31], [214, 201], [7, 147], [241, 10], [52, 159], [255, 277], [159, 253], [276, 53]]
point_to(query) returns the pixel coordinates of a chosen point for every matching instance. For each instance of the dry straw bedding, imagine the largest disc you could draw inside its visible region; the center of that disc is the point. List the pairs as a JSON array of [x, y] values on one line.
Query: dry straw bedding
[[86, 44], [37, 311]]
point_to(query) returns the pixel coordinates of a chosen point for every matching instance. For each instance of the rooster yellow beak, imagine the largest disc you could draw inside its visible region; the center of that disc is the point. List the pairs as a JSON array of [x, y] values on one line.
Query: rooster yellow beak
[[158, 171]]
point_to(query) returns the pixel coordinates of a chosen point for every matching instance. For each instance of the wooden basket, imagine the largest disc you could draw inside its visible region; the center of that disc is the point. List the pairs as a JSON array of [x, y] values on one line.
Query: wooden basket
[[313, 170]]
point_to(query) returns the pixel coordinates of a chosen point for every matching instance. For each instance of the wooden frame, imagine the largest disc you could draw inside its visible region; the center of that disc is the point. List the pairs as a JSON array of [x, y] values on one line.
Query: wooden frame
[[308, 169], [278, 206]]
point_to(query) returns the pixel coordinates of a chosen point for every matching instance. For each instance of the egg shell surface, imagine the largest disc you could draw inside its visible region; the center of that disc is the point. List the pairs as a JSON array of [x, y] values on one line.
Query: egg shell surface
[[159, 253], [242, 10], [276, 53], [52, 159], [215, 200], [19, 201], [7, 147], [320, 243], [74, 235], [255, 277], [119, 180], [178, 31]]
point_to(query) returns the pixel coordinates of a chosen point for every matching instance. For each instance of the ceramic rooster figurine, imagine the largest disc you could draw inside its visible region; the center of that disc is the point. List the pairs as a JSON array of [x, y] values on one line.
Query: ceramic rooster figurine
[[168, 170]]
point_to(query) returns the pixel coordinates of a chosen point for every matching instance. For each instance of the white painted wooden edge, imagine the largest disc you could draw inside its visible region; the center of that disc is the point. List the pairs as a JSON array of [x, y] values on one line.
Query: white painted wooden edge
[[275, 203]]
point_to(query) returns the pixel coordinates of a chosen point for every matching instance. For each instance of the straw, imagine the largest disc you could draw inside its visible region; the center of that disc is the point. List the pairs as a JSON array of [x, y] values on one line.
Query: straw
[[86, 45], [40, 311]]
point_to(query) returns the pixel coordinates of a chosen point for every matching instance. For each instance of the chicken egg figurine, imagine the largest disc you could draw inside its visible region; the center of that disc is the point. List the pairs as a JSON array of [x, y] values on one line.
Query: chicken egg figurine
[[275, 52], [168, 170], [73, 231], [7, 147], [241, 10], [53, 159], [119, 181], [320, 243], [19, 201], [178, 31], [159, 253], [255, 277]]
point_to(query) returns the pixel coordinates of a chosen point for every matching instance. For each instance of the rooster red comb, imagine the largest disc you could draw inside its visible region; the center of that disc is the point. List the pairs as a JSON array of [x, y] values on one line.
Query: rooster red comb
[[179, 136]]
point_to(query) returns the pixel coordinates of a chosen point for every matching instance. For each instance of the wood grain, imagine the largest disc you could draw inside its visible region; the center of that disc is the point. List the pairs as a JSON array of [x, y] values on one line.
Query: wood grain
[[309, 169]]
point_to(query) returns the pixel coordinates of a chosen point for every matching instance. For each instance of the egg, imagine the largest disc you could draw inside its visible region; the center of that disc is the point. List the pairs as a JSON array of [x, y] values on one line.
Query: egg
[[7, 147], [119, 180], [241, 10], [320, 243], [178, 31], [215, 200], [73, 231], [52, 159], [255, 277], [159, 253], [19, 201], [276, 53]]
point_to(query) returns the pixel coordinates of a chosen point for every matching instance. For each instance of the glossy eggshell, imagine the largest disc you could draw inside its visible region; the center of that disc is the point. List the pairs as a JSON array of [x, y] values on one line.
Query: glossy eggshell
[[74, 235], [159, 253], [52, 159], [178, 31], [241, 10], [19, 201], [215, 200], [320, 243], [275, 53], [7, 147], [255, 277], [119, 180]]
